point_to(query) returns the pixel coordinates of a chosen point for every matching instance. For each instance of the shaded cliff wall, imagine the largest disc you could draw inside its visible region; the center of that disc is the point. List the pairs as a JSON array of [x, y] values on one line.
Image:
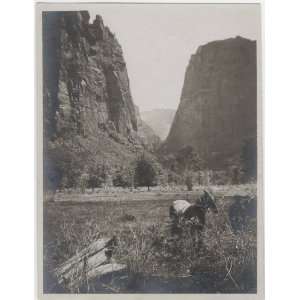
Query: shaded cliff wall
[[86, 85], [89, 114], [217, 110]]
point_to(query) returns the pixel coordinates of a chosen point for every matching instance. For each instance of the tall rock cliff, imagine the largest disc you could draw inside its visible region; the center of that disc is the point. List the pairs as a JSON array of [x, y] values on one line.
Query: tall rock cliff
[[89, 114], [217, 110]]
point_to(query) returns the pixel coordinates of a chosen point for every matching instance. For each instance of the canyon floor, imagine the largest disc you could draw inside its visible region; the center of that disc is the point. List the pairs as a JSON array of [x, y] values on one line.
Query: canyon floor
[[220, 260]]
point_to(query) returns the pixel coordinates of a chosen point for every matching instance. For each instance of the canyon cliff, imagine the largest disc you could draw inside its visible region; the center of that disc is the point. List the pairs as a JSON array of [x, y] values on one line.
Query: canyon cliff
[[217, 110], [90, 119]]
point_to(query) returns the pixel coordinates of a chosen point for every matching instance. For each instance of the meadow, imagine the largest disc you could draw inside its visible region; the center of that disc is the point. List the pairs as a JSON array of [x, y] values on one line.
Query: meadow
[[221, 259]]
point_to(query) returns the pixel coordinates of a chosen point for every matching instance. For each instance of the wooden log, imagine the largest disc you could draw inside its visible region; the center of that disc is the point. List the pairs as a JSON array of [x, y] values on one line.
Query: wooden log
[[89, 264]]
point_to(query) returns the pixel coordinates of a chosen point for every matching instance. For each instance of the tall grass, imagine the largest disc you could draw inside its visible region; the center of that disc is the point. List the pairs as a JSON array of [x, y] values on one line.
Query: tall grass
[[215, 260], [226, 261]]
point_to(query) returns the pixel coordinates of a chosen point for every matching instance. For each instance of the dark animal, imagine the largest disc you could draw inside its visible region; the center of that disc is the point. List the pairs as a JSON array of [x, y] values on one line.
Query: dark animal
[[182, 210]]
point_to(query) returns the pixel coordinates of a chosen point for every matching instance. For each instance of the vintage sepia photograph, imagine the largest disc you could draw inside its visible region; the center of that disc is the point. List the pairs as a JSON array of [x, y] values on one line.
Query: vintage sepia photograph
[[150, 149]]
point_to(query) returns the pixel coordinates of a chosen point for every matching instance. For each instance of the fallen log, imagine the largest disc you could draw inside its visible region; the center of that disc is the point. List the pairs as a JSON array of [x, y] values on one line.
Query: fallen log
[[88, 265]]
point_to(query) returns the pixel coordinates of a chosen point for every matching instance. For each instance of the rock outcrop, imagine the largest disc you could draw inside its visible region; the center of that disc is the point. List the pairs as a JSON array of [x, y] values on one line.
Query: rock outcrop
[[217, 110], [160, 120], [89, 114], [86, 85]]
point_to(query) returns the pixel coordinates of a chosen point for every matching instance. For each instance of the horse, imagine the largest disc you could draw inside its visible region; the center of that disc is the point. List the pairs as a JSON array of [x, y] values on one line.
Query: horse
[[183, 211]]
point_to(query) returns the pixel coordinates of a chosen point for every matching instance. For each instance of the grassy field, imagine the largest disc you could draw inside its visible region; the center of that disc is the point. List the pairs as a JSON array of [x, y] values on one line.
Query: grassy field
[[219, 260]]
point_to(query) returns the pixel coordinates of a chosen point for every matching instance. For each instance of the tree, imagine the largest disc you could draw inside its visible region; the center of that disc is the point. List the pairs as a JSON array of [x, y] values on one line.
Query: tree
[[145, 174], [174, 178], [188, 159], [95, 176], [124, 176], [62, 166], [83, 181], [189, 181], [185, 159]]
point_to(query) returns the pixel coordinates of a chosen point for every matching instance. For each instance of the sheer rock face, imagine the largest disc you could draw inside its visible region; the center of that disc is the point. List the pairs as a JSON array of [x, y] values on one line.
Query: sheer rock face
[[89, 115], [217, 110], [86, 86]]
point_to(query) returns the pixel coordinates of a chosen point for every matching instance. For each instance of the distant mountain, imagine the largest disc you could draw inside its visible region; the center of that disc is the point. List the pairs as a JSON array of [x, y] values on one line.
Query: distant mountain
[[160, 120], [149, 138], [217, 110]]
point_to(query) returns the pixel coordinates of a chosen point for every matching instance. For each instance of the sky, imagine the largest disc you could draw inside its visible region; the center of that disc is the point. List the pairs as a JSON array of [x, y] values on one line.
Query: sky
[[158, 40]]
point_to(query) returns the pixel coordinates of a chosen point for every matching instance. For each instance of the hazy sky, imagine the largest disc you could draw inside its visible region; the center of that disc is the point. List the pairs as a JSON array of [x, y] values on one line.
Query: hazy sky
[[158, 40]]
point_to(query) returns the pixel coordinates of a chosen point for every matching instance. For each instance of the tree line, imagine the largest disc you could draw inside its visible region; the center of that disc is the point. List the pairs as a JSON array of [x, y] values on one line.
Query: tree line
[[66, 169]]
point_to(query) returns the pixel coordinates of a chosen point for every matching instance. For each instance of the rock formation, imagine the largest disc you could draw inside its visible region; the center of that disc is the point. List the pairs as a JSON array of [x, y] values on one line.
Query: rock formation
[[89, 114], [160, 120], [217, 110]]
